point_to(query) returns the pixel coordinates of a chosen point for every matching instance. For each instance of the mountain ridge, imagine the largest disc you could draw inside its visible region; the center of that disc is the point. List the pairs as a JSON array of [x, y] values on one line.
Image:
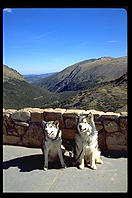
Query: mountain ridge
[[9, 73], [99, 84], [18, 93], [85, 74]]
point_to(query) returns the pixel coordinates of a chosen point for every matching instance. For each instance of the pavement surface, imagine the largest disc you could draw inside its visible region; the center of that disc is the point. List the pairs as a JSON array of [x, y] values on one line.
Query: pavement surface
[[23, 172]]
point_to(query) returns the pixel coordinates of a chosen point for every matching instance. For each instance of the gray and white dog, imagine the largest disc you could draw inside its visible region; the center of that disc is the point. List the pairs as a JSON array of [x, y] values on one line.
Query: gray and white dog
[[52, 143], [86, 142]]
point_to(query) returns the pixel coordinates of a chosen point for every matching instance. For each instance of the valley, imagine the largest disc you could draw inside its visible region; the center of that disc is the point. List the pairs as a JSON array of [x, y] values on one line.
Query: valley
[[85, 74], [32, 78], [99, 84], [18, 93]]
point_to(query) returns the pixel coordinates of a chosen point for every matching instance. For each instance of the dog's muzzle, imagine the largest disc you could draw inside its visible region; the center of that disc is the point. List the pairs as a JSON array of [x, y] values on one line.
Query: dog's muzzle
[[51, 133], [82, 129]]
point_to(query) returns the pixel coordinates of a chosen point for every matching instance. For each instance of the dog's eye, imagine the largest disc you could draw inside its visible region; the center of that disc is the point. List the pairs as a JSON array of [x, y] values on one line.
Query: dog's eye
[[50, 126]]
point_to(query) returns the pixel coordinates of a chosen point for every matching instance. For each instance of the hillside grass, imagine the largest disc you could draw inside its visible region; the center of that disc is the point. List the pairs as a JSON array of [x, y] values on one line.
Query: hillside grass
[[20, 94], [103, 98]]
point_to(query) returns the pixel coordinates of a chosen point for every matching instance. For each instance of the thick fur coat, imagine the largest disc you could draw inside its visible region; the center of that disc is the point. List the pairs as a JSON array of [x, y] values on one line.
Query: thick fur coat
[[52, 142], [86, 142]]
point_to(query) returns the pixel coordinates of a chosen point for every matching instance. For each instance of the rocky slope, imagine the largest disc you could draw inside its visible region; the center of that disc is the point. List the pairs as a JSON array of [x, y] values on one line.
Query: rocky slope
[[85, 74], [9, 73], [109, 96]]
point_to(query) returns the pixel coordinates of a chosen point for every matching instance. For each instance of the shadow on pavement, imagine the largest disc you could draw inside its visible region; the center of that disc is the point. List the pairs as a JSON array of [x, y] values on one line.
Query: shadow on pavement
[[35, 162], [32, 162], [114, 154]]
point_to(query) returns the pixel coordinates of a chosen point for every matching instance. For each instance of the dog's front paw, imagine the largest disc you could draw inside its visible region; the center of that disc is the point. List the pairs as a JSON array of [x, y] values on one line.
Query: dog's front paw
[[94, 167], [64, 166], [100, 161], [45, 168], [81, 166]]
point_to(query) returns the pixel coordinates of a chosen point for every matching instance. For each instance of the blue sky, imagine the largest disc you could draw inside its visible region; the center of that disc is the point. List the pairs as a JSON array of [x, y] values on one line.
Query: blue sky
[[44, 40]]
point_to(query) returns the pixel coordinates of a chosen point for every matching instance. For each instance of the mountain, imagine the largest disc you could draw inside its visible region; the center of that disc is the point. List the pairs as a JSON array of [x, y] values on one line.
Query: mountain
[[18, 93], [9, 73], [99, 84], [108, 96], [85, 74], [32, 78]]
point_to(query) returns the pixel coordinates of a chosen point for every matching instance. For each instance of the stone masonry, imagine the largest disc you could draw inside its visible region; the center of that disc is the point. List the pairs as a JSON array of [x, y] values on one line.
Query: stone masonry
[[23, 127]]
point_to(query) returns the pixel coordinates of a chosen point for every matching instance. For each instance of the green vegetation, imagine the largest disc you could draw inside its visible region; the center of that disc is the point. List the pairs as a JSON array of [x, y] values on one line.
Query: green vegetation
[[104, 97], [85, 85], [20, 94]]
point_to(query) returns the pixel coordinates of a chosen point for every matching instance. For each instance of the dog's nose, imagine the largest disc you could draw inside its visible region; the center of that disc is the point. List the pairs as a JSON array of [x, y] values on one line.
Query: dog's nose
[[80, 126], [46, 131]]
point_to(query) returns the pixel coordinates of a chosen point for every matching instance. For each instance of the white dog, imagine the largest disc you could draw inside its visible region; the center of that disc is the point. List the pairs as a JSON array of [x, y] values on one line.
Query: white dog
[[86, 142], [52, 141]]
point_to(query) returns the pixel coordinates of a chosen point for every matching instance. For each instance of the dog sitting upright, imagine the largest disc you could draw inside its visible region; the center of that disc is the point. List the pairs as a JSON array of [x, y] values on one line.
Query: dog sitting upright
[[86, 142], [52, 141]]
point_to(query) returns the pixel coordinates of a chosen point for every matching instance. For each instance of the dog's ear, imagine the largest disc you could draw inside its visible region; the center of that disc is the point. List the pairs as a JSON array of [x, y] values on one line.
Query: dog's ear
[[90, 117], [56, 122], [44, 122]]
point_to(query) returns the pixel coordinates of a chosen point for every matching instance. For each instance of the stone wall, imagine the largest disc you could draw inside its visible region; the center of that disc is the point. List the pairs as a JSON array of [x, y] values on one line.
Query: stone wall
[[23, 127]]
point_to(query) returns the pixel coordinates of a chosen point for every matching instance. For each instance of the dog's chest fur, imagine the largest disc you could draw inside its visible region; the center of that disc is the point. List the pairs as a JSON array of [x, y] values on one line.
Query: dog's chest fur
[[86, 142], [53, 150], [53, 145]]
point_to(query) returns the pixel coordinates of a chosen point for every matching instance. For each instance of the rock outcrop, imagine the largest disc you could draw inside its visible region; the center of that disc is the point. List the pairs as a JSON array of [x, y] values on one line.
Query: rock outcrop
[[23, 127]]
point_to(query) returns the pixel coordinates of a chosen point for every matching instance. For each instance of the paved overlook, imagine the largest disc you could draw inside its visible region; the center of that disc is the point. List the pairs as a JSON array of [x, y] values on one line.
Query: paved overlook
[[22, 172]]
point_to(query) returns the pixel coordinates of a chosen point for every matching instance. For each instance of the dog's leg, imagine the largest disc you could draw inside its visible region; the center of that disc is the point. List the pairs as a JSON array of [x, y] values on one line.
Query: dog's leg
[[81, 166], [61, 157], [92, 161], [87, 160], [46, 157], [81, 160]]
